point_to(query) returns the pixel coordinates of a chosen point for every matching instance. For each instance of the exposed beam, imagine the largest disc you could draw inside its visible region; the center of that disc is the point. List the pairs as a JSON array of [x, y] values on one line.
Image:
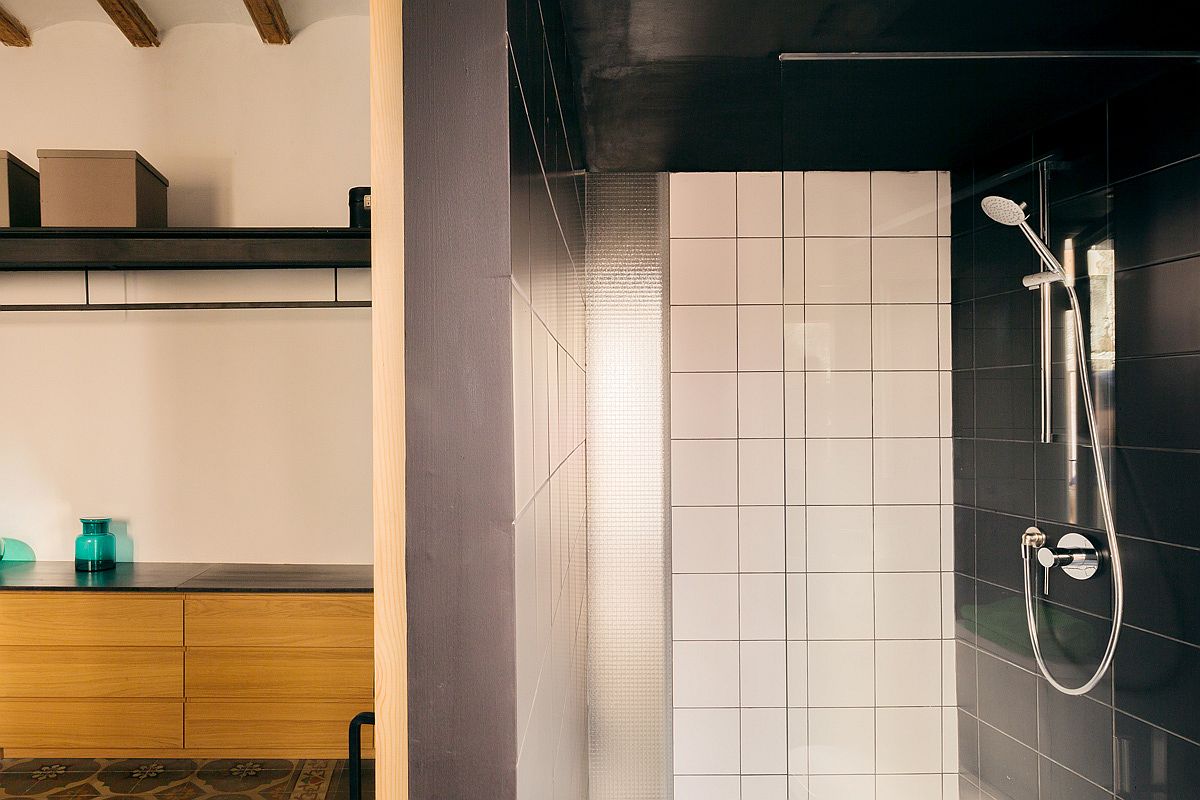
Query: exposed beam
[[12, 32], [132, 21], [269, 19]]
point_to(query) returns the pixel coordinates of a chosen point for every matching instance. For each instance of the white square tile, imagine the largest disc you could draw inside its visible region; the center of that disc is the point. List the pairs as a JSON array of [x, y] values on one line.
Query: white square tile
[[904, 203], [793, 270], [764, 787], [944, 337], [704, 539], [908, 787], [837, 204], [837, 270], [793, 204], [946, 404], [759, 271], [793, 404], [906, 403], [908, 740], [837, 404], [797, 743], [759, 204], [705, 674], [837, 338], [760, 338], [841, 674], [760, 472], [793, 338], [949, 675], [703, 272], [764, 674], [904, 270], [840, 606], [908, 538], [704, 405], [42, 288], [841, 787], [907, 605], [841, 741], [703, 204], [703, 338], [217, 286], [109, 286], [908, 673], [764, 741], [761, 538], [704, 472], [707, 741], [759, 405], [943, 263], [945, 200], [763, 607], [795, 535], [704, 607], [841, 538], [950, 742], [708, 787], [797, 605], [838, 472], [905, 337], [794, 469], [906, 471], [353, 283], [797, 674]]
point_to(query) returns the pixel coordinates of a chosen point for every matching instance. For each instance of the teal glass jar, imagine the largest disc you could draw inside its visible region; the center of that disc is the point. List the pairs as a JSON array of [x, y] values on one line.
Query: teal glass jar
[[96, 547]]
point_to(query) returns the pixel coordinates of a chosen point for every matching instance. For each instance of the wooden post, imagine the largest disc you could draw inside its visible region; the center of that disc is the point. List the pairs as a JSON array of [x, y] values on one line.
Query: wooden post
[[388, 407]]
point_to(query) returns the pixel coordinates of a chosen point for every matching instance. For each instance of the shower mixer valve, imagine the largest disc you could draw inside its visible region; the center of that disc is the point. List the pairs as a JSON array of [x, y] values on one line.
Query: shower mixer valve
[[1075, 555]]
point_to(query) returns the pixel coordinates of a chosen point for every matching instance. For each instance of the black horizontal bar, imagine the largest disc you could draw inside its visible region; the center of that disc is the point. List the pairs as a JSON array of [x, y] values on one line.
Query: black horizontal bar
[[993, 55]]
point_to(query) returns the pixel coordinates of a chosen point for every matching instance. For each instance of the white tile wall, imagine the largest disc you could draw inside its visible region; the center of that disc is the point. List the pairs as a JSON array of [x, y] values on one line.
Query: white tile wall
[[812, 537]]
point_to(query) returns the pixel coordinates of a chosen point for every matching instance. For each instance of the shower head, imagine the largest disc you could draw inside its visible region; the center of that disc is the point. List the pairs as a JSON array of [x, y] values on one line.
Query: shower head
[[1003, 210]]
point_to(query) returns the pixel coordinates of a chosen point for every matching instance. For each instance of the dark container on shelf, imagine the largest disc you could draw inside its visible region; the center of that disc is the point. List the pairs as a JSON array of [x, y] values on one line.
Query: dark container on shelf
[[360, 207]]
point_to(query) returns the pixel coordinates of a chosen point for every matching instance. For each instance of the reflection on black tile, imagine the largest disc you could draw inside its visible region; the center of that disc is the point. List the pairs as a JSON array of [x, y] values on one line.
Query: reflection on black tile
[[1156, 402], [965, 612], [1062, 784], [962, 335], [1165, 592], [1066, 485], [966, 676], [1076, 732], [1158, 680], [1155, 495], [1007, 768], [1005, 402], [964, 540], [1153, 125], [962, 403], [1165, 293], [1008, 699], [1002, 258], [998, 548], [1004, 476], [964, 472], [1153, 764], [968, 744], [1006, 328], [1076, 152], [999, 619], [1156, 217]]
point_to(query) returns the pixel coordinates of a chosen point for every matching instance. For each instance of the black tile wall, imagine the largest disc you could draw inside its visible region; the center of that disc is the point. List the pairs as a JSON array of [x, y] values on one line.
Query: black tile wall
[[1123, 178]]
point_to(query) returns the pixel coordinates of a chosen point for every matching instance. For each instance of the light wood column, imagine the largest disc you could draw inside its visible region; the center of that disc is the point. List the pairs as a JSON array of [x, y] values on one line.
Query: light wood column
[[388, 408]]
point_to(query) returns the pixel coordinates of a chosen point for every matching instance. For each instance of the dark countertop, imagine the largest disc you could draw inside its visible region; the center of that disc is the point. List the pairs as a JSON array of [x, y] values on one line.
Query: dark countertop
[[148, 577]]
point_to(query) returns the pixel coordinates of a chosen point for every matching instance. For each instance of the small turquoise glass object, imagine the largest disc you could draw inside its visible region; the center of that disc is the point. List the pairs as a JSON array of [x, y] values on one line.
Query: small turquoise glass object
[[96, 547]]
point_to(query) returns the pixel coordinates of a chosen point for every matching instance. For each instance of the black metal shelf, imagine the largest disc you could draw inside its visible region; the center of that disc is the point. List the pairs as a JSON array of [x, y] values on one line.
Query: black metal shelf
[[41, 249]]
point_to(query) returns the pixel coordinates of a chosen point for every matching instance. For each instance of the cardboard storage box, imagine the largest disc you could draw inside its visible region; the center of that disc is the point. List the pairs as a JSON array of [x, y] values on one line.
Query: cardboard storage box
[[101, 189], [19, 205]]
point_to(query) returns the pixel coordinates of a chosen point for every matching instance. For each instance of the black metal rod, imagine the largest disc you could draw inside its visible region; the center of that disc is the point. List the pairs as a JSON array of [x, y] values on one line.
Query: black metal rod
[[355, 766]]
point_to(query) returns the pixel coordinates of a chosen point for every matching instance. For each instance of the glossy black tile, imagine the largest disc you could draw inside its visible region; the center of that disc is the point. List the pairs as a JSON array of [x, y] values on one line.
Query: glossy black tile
[[1005, 328], [1155, 406], [1156, 217], [964, 540], [967, 790], [1059, 783], [1154, 125], [1067, 491], [1165, 596], [1004, 476], [964, 472], [1158, 680], [1076, 732], [1153, 764], [962, 269], [968, 744], [966, 672], [1001, 258], [1008, 699], [965, 610], [1154, 493], [1163, 295], [1075, 150], [962, 188], [1006, 403], [962, 403], [1007, 171], [997, 548], [1007, 768], [999, 621]]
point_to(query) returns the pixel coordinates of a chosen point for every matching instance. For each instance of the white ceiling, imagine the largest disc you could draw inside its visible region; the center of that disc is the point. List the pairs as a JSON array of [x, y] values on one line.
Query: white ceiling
[[167, 14]]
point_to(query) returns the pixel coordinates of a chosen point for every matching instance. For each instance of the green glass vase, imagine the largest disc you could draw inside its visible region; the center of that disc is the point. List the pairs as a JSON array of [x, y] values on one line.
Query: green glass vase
[[96, 547]]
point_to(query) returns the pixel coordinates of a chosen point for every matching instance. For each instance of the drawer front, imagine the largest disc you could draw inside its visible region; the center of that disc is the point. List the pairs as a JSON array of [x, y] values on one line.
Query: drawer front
[[279, 620], [33, 619], [100, 726], [280, 673], [303, 728], [91, 672]]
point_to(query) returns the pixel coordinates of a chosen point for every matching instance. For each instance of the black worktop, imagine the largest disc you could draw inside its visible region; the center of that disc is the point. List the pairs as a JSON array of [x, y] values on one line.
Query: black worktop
[[166, 577]]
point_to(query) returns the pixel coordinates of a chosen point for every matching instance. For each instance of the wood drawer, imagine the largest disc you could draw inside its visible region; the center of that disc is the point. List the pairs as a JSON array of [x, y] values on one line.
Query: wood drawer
[[279, 620], [122, 619], [93, 672], [101, 726], [280, 673], [311, 729]]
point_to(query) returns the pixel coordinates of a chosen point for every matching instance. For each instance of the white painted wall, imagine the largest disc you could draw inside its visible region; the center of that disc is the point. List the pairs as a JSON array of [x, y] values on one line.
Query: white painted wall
[[238, 436]]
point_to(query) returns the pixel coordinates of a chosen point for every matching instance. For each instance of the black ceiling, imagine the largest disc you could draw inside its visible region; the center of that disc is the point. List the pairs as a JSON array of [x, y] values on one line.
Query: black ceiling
[[697, 84]]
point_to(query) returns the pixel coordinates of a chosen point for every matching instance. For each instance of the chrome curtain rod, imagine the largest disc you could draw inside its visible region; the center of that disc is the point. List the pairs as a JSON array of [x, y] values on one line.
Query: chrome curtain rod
[[988, 55]]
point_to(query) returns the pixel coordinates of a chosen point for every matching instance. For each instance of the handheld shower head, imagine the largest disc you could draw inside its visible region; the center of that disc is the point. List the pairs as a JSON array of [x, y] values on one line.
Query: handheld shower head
[[1003, 210]]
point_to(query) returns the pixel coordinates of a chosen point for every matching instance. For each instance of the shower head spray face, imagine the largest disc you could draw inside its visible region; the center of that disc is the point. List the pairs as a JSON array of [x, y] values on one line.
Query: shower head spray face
[[1003, 210]]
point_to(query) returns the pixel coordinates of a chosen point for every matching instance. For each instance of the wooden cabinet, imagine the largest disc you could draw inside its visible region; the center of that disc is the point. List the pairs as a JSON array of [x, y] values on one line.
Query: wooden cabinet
[[238, 675]]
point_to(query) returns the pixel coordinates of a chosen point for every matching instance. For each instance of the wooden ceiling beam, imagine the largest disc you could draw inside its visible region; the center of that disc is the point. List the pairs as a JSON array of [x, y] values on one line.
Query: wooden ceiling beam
[[12, 32], [269, 19], [132, 21]]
